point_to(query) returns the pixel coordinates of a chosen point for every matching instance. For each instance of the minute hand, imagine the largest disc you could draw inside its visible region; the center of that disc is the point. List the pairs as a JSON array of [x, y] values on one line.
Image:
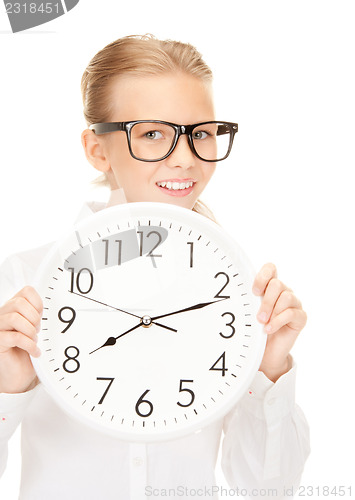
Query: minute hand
[[191, 308]]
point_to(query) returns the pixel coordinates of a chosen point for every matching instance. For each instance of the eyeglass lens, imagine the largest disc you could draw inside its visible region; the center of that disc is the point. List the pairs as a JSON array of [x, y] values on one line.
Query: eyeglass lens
[[152, 141]]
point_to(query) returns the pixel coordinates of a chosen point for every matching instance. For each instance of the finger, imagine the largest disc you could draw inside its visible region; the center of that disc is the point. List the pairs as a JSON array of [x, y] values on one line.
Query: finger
[[22, 306], [291, 317], [14, 321], [266, 273], [287, 299], [273, 291], [9, 340], [31, 295]]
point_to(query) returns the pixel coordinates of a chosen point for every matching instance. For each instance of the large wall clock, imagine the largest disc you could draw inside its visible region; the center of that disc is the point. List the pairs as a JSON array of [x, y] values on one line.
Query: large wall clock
[[149, 329]]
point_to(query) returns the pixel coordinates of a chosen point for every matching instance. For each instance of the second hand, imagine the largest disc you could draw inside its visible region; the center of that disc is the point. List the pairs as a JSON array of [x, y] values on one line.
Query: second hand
[[121, 310]]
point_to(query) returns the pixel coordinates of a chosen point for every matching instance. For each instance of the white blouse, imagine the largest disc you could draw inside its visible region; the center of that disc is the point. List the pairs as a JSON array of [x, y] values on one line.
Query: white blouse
[[265, 439]]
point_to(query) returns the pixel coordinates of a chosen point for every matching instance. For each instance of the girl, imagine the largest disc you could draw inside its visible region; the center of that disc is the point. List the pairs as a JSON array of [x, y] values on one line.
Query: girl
[[265, 437]]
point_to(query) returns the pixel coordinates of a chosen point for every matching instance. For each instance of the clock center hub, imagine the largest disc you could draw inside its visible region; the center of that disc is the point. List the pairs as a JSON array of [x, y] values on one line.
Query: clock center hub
[[146, 321]]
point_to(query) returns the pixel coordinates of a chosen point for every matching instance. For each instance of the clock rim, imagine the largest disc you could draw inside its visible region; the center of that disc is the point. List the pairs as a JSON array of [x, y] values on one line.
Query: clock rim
[[131, 210]]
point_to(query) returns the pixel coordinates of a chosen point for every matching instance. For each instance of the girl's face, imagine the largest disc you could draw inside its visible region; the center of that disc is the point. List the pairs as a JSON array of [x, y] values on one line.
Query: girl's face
[[176, 98]]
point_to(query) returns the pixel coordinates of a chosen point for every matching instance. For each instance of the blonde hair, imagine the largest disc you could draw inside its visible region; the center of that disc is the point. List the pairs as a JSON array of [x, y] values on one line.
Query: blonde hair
[[136, 56]]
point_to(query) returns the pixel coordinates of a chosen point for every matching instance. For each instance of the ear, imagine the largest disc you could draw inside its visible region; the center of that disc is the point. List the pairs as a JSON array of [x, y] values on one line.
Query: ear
[[94, 147]]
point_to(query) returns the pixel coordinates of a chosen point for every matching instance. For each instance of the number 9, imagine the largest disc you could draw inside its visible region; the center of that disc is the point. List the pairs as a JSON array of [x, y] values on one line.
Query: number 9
[[69, 321]]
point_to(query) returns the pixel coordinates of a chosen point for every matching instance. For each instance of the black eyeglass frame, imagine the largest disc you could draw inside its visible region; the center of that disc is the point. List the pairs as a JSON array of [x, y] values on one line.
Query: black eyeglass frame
[[108, 127]]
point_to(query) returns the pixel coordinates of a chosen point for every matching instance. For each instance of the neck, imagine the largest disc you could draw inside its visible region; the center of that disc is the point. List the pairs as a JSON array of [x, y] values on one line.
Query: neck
[[117, 197]]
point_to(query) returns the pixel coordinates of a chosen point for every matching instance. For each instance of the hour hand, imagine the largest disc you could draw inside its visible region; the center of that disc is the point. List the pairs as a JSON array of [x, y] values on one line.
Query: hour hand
[[146, 321], [112, 340]]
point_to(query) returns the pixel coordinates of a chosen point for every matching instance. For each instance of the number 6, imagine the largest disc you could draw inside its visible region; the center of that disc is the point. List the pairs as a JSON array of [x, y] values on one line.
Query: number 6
[[141, 401]]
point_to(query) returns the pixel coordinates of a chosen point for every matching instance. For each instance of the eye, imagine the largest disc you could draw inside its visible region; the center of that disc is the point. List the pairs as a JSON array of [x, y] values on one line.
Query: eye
[[200, 134], [153, 134]]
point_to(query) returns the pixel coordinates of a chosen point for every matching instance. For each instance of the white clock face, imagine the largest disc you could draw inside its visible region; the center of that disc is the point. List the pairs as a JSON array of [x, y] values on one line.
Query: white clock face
[[149, 328]]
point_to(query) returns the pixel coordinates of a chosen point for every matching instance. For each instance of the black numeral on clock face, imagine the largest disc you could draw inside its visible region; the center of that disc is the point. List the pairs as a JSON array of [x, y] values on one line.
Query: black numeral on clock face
[[71, 364], [222, 362], [70, 321], [191, 243], [119, 251], [189, 391], [141, 401], [149, 254], [107, 388], [218, 294], [79, 280], [230, 324]]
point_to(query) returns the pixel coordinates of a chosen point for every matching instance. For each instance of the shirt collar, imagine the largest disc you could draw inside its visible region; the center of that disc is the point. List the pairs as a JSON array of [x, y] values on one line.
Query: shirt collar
[[117, 197], [88, 209]]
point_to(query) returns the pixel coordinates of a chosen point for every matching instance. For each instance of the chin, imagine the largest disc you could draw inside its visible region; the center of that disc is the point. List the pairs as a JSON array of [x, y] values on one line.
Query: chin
[[184, 201], [180, 202]]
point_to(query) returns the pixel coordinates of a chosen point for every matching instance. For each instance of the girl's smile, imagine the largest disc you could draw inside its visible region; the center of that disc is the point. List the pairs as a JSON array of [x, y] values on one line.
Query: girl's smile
[[176, 187]]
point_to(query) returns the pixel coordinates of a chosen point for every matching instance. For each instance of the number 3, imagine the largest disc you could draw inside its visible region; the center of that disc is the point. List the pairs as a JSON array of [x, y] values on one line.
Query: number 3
[[229, 324]]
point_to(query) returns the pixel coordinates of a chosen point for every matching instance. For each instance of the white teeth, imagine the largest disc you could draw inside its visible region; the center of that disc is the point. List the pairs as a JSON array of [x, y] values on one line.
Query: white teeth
[[175, 185]]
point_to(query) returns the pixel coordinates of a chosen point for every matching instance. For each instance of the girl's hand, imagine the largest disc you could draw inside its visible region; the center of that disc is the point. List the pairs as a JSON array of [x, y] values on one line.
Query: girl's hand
[[19, 324], [282, 314]]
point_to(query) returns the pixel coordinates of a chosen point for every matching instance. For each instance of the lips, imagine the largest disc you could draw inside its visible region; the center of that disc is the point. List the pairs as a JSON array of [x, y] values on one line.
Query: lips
[[176, 187]]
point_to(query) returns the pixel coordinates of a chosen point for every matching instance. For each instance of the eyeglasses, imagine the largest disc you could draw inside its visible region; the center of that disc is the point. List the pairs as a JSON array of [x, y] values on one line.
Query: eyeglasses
[[155, 140]]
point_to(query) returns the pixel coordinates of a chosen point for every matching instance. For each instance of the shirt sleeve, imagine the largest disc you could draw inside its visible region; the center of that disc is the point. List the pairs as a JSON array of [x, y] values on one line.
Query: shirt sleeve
[[8, 280], [12, 411], [19, 270], [15, 272], [266, 440]]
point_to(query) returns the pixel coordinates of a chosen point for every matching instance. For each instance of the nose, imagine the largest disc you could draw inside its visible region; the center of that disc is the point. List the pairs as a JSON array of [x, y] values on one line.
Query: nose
[[182, 156]]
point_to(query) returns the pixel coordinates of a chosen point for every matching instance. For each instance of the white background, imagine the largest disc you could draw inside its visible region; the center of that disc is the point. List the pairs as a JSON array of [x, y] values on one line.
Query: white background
[[285, 72]]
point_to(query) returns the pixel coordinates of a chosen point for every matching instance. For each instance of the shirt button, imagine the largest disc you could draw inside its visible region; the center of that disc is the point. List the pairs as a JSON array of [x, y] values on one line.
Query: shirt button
[[138, 461], [271, 401]]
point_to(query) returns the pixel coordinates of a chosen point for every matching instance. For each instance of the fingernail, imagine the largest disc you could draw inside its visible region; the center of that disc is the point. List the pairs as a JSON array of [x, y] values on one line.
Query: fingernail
[[256, 291], [268, 328], [37, 352]]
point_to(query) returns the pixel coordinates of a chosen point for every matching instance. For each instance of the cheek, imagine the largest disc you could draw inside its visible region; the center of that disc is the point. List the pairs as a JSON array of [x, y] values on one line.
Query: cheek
[[118, 151], [208, 172], [132, 177]]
